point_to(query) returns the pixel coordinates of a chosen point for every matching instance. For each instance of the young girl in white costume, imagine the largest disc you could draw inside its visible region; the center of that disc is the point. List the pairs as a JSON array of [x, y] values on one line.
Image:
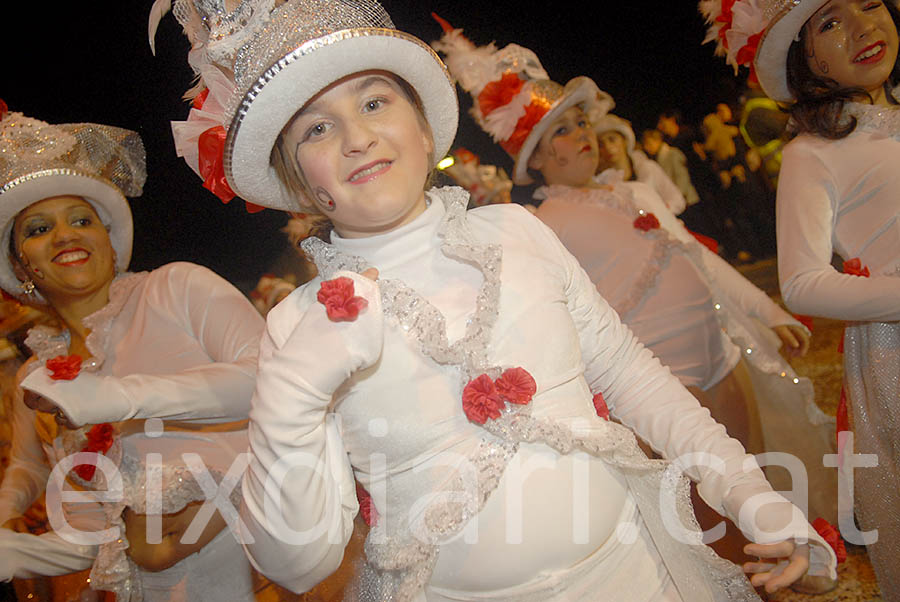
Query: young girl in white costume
[[470, 361], [178, 343], [835, 64]]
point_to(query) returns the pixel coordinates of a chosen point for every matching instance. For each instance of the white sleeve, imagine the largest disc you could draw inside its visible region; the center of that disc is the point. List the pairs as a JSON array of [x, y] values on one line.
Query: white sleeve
[[299, 493], [26, 476], [24, 556], [805, 220], [224, 324], [646, 397], [663, 184]]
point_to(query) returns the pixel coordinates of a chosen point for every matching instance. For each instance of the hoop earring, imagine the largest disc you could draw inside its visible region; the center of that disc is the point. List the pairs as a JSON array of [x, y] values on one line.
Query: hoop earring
[[325, 200], [27, 287]]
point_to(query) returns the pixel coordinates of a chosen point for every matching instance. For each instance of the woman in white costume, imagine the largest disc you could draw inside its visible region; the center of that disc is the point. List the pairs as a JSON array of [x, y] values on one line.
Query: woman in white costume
[[440, 357], [177, 343], [834, 63]]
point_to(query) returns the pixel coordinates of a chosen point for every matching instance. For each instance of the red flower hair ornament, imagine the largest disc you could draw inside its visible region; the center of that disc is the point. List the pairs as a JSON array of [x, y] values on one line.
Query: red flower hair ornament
[[485, 398], [340, 303]]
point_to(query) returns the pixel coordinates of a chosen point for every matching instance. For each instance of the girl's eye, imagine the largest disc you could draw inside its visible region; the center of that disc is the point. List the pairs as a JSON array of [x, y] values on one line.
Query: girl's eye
[[872, 6], [561, 131], [374, 104], [82, 221], [316, 129], [828, 25]]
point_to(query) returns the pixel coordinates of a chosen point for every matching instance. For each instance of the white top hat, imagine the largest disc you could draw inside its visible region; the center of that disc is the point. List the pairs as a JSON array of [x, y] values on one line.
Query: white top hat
[[98, 163], [514, 99], [295, 52], [614, 123]]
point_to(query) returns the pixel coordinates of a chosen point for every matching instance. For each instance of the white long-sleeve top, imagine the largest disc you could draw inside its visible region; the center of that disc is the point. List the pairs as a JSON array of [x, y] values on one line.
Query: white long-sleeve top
[[842, 196], [338, 399], [652, 174], [178, 342]]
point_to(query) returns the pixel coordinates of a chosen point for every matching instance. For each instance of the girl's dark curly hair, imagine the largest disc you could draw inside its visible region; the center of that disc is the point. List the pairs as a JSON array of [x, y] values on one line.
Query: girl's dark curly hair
[[820, 100]]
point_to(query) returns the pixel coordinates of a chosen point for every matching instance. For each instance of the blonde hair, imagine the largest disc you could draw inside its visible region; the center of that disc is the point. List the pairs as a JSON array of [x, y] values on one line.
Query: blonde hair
[[291, 175]]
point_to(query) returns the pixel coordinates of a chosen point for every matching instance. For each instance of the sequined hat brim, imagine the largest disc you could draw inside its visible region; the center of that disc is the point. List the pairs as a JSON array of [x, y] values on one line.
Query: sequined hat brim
[[771, 55], [579, 91], [107, 200], [286, 86]]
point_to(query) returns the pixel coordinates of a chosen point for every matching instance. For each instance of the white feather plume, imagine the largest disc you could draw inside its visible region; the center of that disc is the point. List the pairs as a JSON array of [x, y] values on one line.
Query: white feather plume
[[157, 12], [472, 66]]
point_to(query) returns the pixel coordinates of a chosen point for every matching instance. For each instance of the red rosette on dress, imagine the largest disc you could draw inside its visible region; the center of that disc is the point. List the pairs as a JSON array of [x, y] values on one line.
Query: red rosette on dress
[[340, 303]]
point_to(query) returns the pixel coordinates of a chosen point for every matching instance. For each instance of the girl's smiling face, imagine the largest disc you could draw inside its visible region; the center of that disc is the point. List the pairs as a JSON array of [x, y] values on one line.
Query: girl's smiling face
[[853, 42], [363, 149], [567, 152], [63, 247]]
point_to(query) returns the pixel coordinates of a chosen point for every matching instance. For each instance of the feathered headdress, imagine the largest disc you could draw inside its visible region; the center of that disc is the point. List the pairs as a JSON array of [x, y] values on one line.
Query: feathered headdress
[[215, 35], [736, 26]]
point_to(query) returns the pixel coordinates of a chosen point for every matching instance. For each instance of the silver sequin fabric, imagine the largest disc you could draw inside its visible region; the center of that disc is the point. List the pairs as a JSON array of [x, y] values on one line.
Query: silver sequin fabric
[[29, 146]]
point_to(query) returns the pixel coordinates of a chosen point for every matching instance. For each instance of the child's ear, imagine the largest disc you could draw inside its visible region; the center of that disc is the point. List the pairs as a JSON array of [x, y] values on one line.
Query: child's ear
[[428, 142], [18, 269]]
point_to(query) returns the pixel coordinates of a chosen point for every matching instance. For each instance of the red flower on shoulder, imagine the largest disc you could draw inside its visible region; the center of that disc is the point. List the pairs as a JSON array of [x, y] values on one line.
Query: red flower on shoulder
[[646, 222], [854, 267], [480, 399], [832, 537], [340, 303], [64, 367], [99, 440], [600, 406], [516, 385]]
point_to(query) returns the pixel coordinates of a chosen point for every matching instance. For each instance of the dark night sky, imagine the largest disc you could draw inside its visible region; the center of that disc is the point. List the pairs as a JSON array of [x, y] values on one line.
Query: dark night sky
[[90, 61]]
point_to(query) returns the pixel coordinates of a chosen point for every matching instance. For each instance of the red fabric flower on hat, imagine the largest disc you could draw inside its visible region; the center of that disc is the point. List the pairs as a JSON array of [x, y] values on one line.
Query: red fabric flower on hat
[[832, 537], [499, 92], [600, 406], [646, 222], [99, 440], [516, 385], [533, 114], [64, 367], [211, 145], [340, 303], [3, 109], [854, 267], [481, 400]]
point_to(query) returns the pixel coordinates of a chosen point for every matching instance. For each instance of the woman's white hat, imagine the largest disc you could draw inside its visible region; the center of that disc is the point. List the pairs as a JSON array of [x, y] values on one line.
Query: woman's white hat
[[296, 51], [758, 34], [515, 101], [98, 163], [614, 123]]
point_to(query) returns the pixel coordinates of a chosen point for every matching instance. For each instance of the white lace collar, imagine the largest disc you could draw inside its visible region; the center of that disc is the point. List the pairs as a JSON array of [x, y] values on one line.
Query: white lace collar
[[877, 118]]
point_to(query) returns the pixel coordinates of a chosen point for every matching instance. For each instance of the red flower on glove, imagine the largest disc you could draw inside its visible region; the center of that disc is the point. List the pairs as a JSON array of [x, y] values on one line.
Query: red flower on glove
[[600, 406], [99, 440], [64, 367], [340, 303], [832, 537], [854, 267], [646, 222], [481, 399], [516, 385]]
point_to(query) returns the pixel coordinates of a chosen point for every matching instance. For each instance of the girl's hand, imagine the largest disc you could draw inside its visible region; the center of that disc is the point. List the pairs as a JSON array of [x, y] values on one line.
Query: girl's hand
[[371, 274], [787, 563], [795, 339]]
